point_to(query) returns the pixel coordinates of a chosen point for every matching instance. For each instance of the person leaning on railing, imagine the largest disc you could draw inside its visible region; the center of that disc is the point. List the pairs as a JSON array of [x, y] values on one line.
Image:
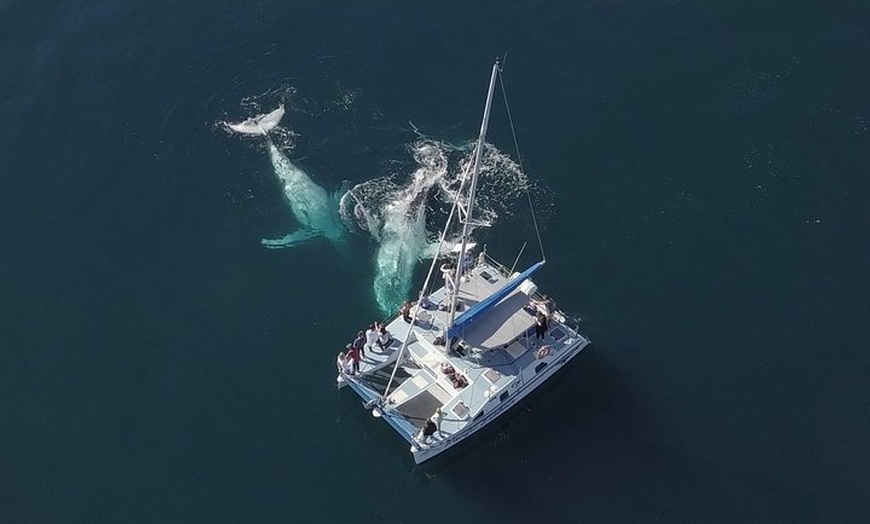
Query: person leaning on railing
[[545, 305]]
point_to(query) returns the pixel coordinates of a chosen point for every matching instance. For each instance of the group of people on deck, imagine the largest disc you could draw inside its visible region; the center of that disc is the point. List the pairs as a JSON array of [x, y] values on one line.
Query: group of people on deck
[[374, 339]]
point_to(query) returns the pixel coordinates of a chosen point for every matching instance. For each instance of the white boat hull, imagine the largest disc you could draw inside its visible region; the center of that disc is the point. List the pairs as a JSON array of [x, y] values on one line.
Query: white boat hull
[[422, 454]]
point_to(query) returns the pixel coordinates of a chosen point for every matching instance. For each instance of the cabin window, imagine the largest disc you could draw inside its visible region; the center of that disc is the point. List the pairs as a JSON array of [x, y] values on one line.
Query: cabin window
[[478, 415], [539, 367], [503, 396]]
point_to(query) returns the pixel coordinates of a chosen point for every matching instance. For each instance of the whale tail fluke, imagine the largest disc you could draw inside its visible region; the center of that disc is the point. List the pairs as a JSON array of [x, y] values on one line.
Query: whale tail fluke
[[258, 125]]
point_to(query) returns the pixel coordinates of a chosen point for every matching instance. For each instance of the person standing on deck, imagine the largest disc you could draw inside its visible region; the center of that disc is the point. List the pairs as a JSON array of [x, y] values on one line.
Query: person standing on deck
[[467, 262], [353, 357], [540, 326], [371, 337], [340, 361], [437, 417], [447, 274], [359, 343]]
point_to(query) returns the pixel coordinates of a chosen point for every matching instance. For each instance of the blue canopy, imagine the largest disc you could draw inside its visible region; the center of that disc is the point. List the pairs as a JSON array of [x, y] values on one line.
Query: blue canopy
[[465, 320]]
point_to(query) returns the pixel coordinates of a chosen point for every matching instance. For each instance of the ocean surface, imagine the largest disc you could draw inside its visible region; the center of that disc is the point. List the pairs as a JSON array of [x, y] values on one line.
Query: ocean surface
[[701, 172]]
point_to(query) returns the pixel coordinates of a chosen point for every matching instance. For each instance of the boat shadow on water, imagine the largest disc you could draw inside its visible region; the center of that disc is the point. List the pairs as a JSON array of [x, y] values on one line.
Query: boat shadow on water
[[581, 419], [586, 445]]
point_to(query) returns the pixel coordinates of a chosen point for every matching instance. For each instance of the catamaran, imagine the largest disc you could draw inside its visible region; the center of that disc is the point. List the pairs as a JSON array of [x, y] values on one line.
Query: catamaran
[[465, 353]]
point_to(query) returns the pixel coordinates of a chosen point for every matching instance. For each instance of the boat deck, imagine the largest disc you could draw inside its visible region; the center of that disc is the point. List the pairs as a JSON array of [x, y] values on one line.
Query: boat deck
[[491, 361], [495, 356], [502, 323]]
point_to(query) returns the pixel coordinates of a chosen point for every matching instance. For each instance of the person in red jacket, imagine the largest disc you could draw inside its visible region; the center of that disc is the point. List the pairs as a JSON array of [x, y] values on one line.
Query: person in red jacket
[[353, 356]]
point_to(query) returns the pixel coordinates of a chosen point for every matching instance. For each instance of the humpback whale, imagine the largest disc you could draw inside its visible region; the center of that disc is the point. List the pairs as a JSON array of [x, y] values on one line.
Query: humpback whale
[[403, 242], [314, 209], [395, 216]]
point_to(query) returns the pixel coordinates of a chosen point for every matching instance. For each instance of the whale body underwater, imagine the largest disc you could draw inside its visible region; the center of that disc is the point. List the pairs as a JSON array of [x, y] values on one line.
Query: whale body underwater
[[395, 216], [315, 210], [396, 220]]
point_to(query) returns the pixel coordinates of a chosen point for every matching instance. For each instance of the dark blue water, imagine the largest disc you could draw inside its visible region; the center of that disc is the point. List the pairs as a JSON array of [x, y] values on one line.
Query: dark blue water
[[704, 166]]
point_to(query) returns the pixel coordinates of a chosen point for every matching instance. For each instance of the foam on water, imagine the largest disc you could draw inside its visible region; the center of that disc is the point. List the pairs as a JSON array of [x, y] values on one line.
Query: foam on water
[[396, 216], [501, 182]]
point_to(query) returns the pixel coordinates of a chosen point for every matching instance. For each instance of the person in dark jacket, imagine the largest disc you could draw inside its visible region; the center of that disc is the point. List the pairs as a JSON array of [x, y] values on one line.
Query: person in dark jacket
[[540, 326]]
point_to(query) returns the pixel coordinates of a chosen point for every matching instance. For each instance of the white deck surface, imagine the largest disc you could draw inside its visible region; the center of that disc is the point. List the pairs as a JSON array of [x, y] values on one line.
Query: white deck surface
[[498, 356]]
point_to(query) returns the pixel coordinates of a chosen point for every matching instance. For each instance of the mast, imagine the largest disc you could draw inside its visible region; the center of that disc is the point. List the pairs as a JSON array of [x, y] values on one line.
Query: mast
[[469, 210]]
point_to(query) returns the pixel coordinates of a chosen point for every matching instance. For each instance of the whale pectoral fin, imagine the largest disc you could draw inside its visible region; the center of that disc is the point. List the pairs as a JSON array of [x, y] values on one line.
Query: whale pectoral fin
[[345, 187], [297, 237]]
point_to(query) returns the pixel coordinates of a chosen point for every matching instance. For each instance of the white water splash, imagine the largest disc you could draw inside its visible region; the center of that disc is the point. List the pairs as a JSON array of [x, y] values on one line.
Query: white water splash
[[396, 216], [501, 183]]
